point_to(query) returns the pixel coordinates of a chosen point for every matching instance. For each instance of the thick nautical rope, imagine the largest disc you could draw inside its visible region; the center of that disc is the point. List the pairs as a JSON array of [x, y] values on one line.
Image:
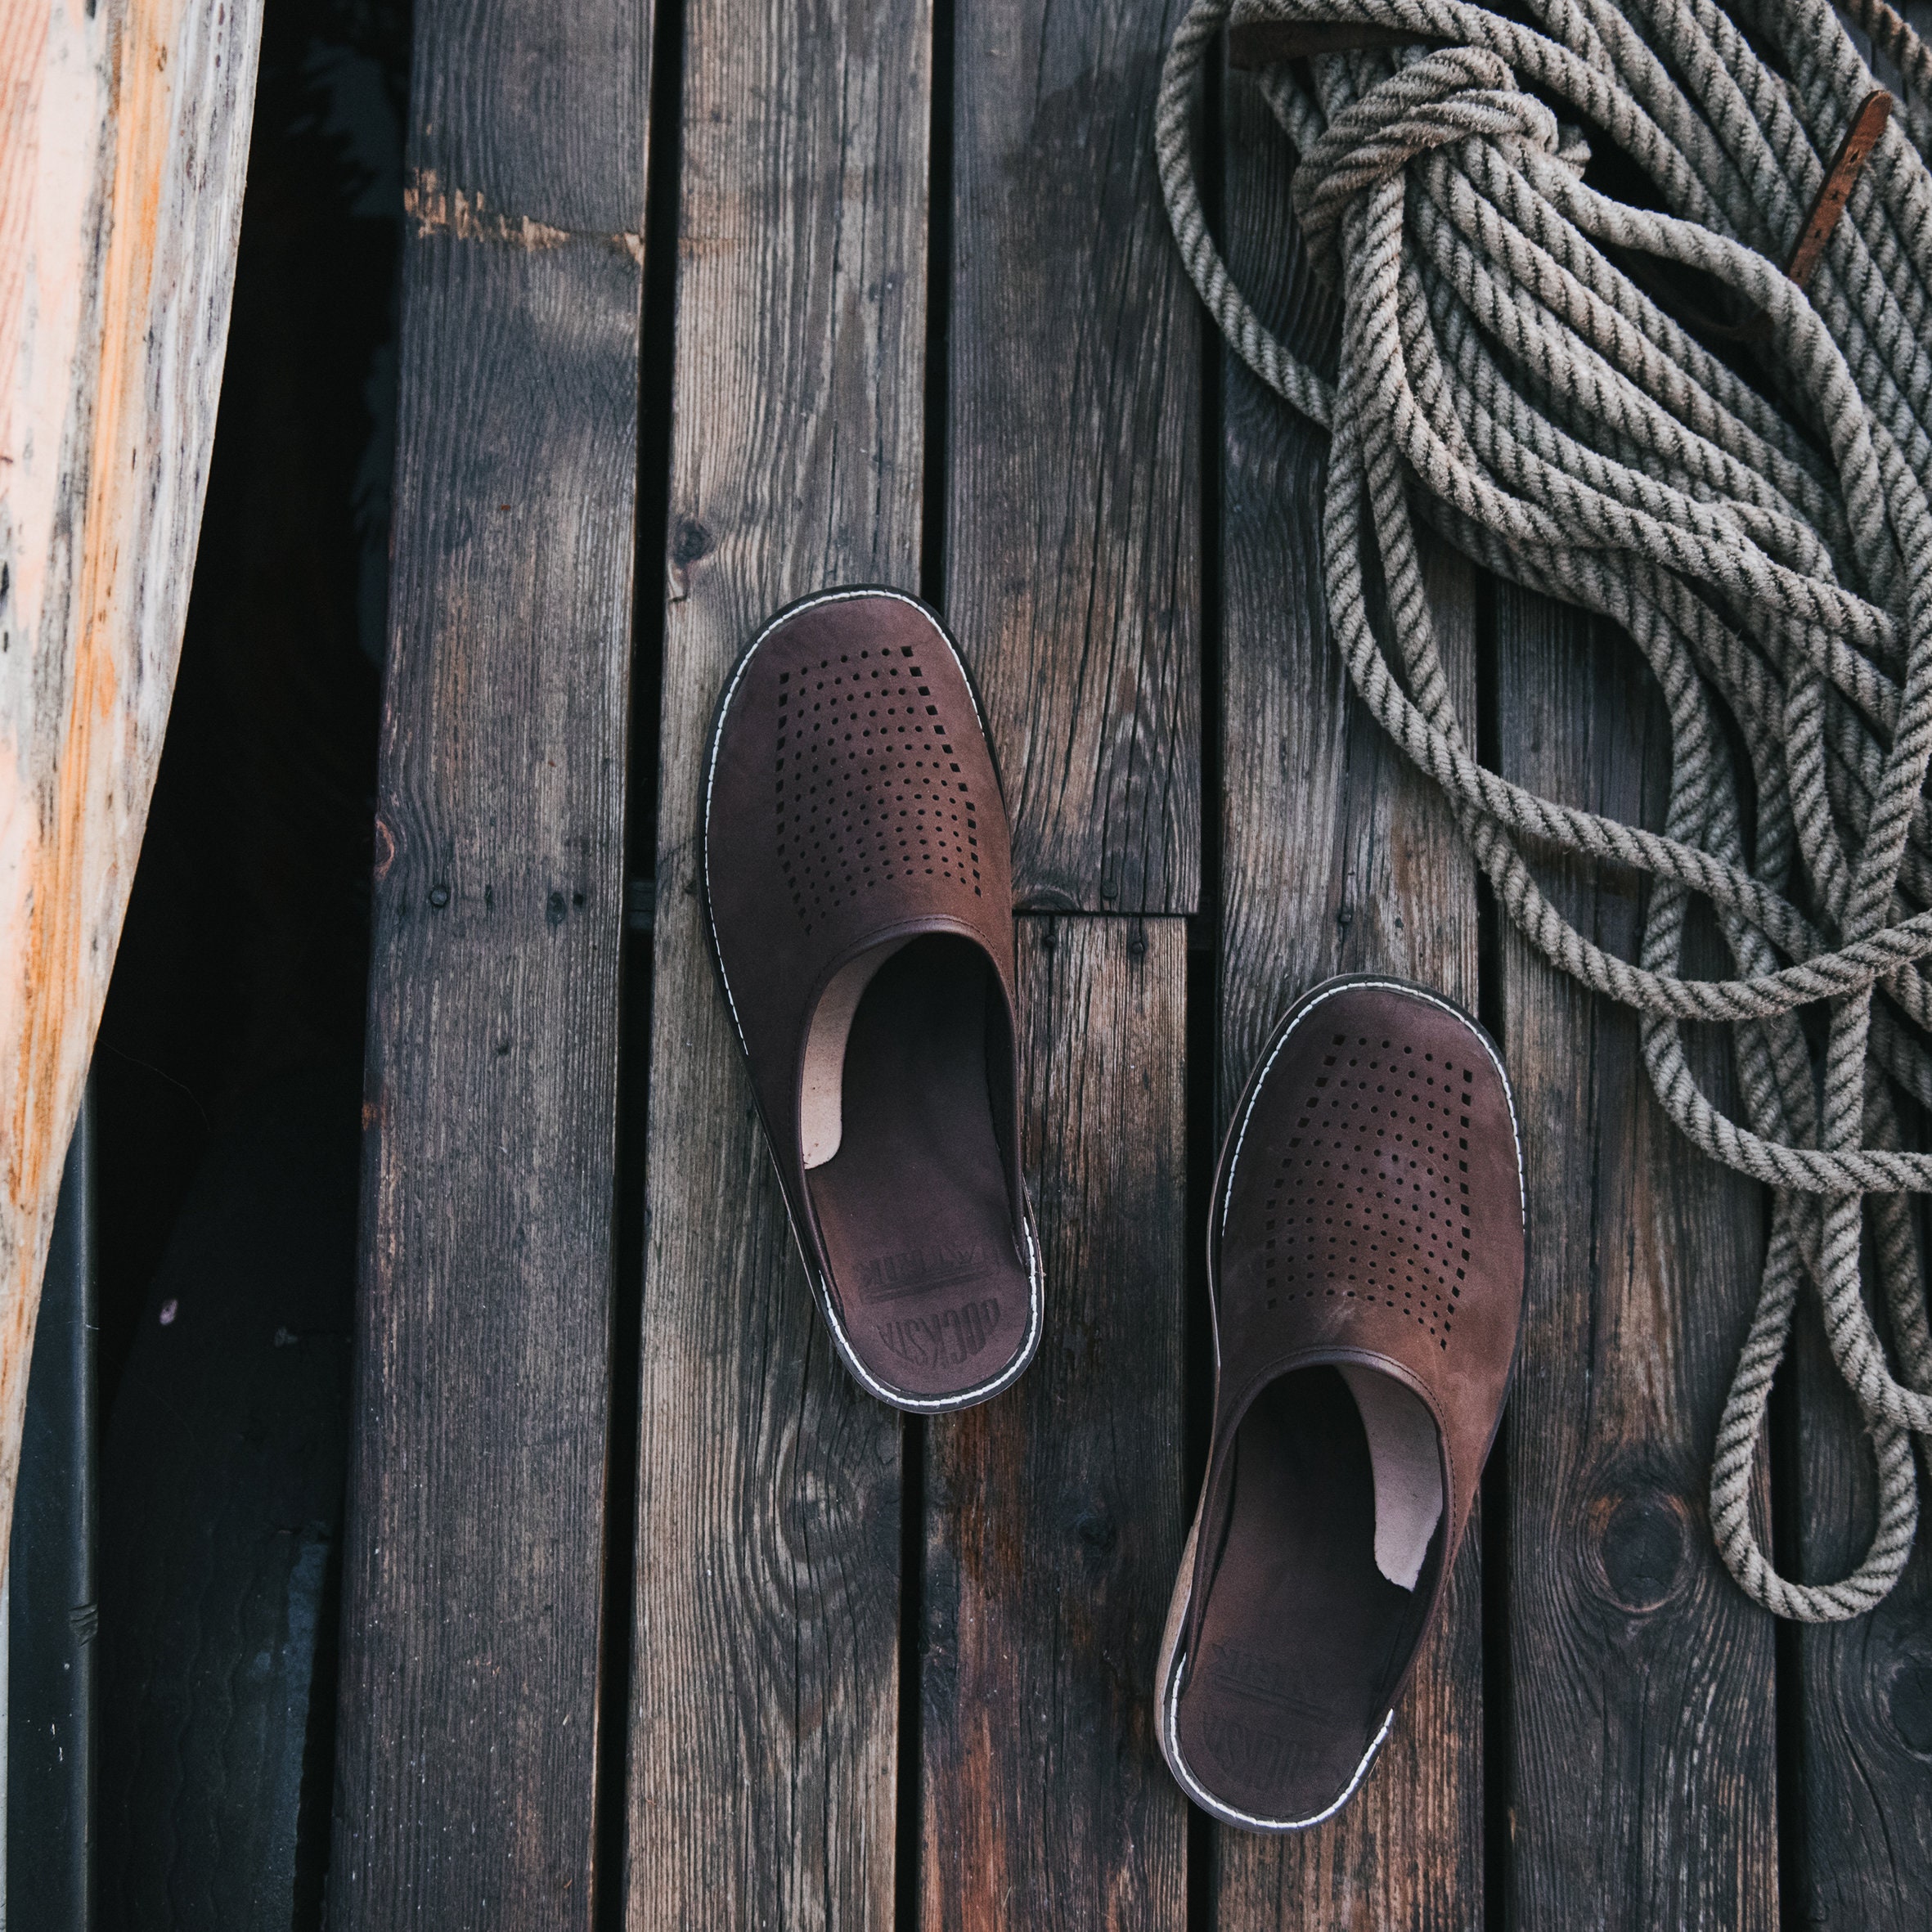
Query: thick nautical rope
[[1766, 544]]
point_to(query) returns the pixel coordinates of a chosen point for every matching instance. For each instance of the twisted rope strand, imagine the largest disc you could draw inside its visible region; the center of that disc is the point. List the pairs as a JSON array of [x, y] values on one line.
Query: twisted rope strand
[[1504, 379]]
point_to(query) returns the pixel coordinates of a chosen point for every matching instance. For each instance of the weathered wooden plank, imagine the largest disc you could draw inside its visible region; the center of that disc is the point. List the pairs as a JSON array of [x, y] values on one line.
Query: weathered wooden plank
[[1862, 1720], [1072, 502], [473, 1553], [1642, 1776], [123, 144], [1336, 857], [763, 1747], [1054, 1516], [1863, 1712]]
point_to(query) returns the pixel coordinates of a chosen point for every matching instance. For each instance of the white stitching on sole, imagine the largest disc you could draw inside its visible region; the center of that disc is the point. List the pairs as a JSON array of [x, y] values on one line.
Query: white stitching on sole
[[933, 1404], [1170, 1724], [916, 1404], [1184, 1772]]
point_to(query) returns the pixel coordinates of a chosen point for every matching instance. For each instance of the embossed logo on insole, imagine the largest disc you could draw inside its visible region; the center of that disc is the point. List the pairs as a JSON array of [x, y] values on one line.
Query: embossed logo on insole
[[1255, 1758], [942, 1340], [914, 1269], [1253, 1673]]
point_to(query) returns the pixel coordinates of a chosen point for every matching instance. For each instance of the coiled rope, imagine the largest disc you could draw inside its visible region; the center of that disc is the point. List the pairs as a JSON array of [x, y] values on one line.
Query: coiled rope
[[1766, 543]]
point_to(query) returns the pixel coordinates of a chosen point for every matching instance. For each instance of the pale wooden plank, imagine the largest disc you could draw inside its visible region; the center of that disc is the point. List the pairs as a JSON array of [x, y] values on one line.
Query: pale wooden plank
[[1072, 499], [473, 1560], [123, 144], [1641, 1780], [1336, 857], [1054, 1516], [763, 1748]]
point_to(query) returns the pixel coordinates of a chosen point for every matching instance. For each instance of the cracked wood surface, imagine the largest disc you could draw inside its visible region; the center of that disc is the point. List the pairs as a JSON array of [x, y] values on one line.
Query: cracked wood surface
[[123, 143], [473, 1563], [431, 208]]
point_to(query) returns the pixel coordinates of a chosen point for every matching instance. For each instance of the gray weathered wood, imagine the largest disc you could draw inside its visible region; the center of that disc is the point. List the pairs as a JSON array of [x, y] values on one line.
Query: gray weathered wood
[[1864, 1695], [1336, 857], [1642, 1776], [124, 147], [1072, 502], [1863, 1717], [466, 1752], [1863, 1710], [763, 1747], [1053, 1518]]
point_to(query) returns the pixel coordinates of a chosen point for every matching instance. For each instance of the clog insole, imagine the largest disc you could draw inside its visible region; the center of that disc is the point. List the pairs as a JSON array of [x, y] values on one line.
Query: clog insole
[[913, 1207], [1302, 1632]]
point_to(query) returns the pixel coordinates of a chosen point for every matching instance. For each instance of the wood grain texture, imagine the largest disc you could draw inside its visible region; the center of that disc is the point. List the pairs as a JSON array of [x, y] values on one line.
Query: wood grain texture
[[1072, 503], [1642, 1779], [472, 1573], [1054, 1516], [1864, 1706], [1861, 1716], [1336, 857], [763, 1747], [123, 144]]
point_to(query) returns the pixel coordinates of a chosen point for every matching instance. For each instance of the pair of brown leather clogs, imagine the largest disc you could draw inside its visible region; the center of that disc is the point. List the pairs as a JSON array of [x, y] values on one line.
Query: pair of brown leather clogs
[[1365, 1245]]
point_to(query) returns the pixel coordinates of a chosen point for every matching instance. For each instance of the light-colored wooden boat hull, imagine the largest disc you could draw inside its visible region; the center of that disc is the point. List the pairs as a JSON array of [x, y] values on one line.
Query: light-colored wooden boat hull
[[123, 149]]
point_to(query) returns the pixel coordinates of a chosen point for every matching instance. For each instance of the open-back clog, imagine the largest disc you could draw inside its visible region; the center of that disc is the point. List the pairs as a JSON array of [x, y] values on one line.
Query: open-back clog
[[1365, 1262], [857, 885]]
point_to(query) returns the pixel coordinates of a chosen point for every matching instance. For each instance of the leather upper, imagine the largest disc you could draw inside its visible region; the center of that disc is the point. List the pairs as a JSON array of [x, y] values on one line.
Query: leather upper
[[851, 796], [1370, 1209]]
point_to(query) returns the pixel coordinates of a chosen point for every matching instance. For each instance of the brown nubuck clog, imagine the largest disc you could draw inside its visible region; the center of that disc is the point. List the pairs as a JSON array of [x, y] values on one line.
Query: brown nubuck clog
[[1365, 1264], [858, 887]]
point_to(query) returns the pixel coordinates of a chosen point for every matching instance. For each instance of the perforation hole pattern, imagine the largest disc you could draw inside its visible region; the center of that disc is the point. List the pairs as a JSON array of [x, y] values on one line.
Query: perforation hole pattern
[[867, 784], [1370, 1202]]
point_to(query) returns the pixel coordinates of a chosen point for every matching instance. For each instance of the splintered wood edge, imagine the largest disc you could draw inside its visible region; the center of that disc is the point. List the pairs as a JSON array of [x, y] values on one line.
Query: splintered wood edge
[[123, 150]]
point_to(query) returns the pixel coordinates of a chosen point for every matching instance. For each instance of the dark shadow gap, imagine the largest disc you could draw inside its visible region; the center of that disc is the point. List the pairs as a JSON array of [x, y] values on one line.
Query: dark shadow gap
[[1197, 1366], [655, 363], [912, 1600], [1788, 1660], [1209, 907], [939, 261], [907, 1817], [314, 1819], [1497, 1716], [1203, 987], [237, 1001], [1497, 1755]]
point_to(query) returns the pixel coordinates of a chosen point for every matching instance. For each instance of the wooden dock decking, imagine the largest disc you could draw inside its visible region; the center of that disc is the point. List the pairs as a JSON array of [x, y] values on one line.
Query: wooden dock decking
[[650, 1617]]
